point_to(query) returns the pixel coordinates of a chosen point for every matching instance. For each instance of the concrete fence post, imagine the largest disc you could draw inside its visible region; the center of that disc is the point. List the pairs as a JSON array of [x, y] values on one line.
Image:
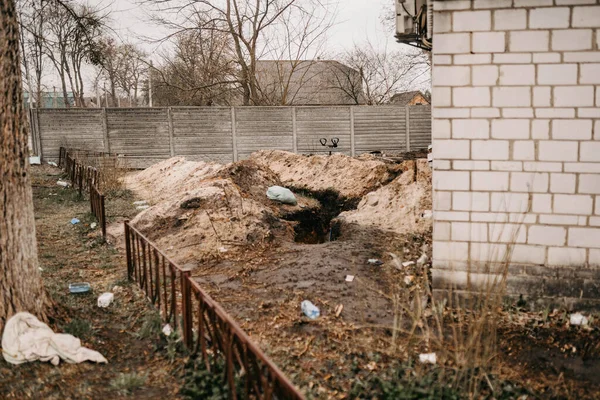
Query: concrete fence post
[[407, 110], [294, 131], [352, 146], [234, 135], [171, 133], [106, 139]]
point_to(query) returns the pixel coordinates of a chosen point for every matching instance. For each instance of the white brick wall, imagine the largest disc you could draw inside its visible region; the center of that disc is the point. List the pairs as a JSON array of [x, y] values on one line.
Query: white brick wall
[[517, 130]]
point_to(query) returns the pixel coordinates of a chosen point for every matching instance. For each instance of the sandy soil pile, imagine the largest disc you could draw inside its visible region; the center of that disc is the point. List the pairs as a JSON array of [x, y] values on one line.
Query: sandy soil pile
[[351, 177], [199, 210], [398, 206]]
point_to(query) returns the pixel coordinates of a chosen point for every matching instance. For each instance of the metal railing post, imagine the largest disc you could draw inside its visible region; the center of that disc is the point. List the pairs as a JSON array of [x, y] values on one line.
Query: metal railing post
[[128, 250], [186, 308], [103, 214]]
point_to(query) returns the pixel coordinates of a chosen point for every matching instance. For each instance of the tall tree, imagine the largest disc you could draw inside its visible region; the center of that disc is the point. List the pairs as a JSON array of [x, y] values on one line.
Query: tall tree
[[198, 71], [32, 27], [21, 287], [381, 73], [251, 26]]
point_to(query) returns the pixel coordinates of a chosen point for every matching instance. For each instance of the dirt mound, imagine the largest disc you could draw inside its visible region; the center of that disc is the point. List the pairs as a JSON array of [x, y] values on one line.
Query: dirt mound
[[398, 206], [350, 177], [200, 210], [162, 180]]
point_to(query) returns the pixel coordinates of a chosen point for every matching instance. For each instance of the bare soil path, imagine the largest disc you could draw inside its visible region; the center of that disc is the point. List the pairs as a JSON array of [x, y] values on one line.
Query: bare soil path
[[74, 253]]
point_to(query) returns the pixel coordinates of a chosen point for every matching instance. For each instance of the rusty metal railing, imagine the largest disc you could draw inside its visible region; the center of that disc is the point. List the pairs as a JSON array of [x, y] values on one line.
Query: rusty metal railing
[[97, 206], [85, 178], [208, 331]]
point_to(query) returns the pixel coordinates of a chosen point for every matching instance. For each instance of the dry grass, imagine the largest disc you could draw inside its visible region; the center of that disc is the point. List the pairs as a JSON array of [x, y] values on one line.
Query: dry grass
[[462, 328]]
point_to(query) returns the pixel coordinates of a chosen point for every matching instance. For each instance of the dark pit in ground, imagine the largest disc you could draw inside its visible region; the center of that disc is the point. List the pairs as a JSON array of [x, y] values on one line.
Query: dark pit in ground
[[314, 224]]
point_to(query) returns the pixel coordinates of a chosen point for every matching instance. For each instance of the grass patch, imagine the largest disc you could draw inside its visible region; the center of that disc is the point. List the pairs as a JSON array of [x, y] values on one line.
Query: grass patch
[[411, 381], [200, 383], [151, 327], [79, 328], [126, 384]]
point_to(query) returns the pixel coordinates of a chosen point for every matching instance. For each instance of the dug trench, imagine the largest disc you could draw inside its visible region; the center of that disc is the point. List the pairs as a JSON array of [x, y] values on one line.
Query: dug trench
[[314, 225]]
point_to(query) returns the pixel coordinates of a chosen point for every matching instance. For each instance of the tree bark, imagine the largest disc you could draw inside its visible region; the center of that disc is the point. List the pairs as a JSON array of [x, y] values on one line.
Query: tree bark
[[21, 287]]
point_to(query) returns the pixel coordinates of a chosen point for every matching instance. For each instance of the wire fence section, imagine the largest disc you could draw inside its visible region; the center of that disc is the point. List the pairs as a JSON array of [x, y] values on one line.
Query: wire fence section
[[207, 330]]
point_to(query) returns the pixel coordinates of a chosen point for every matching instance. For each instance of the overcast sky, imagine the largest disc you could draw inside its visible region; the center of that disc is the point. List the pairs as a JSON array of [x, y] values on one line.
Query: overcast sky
[[356, 22]]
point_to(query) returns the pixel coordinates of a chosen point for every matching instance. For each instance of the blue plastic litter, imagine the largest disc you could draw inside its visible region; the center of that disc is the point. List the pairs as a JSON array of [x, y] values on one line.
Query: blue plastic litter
[[81, 287], [74, 221]]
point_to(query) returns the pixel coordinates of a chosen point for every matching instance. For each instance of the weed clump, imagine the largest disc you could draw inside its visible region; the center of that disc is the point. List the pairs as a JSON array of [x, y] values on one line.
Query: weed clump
[[126, 384]]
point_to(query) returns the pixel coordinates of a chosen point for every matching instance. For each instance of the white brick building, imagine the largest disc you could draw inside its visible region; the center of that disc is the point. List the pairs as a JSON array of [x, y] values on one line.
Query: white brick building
[[516, 138]]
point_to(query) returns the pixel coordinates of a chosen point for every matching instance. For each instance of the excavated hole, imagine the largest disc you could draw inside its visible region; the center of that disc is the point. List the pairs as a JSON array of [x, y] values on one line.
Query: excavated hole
[[314, 225]]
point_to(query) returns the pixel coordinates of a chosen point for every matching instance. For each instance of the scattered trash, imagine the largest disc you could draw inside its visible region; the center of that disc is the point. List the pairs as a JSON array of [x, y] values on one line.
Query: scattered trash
[[428, 358], [338, 310], [105, 299], [35, 161], [372, 366], [396, 261], [26, 339], [408, 263], [374, 261], [223, 250], [281, 194], [142, 207], [422, 260], [408, 279], [75, 221], [62, 183], [349, 278], [578, 319], [430, 155], [140, 202], [310, 310], [167, 330], [93, 225], [427, 214], [41, 269], [80, 287], [52, 163]]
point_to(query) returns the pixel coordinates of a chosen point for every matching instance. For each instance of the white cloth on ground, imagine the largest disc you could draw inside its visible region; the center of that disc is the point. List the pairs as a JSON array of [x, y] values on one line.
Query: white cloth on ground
[[26, 338]]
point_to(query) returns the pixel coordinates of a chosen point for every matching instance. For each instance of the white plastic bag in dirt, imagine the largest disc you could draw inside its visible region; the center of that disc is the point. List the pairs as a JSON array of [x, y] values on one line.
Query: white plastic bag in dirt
[[26, 338], [282, 195], [105, 299], [578, 319], [428, 358]]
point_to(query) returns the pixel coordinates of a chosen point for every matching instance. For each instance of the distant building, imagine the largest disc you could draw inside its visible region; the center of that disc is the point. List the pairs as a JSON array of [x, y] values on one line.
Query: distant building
[[308, 82], [414, 98], [50, 100]]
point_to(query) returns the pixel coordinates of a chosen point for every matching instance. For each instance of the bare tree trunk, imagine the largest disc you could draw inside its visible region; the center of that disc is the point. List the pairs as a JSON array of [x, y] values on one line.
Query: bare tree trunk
[[21, 287]]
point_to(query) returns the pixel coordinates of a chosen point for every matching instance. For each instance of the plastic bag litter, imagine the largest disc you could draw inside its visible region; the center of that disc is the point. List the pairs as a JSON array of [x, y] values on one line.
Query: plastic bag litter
[[310, 310], [62, 183], [282, 195], [105, 299], [167, 330], [374, 261], [52, 163], [74, 221], [578, 319], [93, 225], [428, 358]]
